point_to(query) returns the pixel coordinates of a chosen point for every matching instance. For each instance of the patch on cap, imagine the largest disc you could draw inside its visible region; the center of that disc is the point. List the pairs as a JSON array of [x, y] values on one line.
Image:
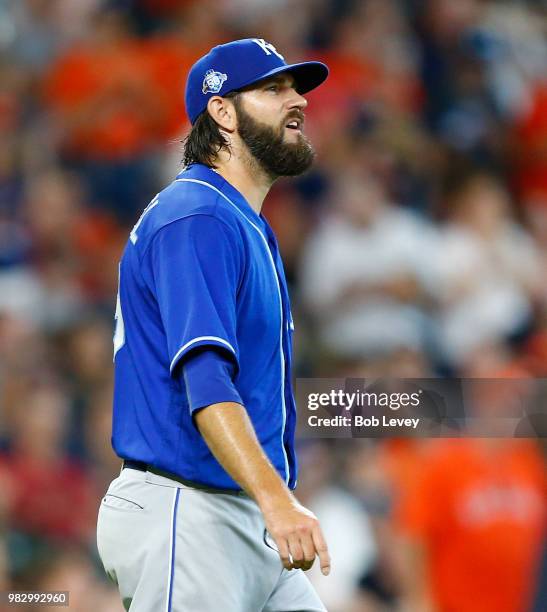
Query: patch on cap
[[213, 81]]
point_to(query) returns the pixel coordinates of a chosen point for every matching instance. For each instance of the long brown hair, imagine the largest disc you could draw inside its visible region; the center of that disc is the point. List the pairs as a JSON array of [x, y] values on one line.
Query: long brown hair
[[205, 140]]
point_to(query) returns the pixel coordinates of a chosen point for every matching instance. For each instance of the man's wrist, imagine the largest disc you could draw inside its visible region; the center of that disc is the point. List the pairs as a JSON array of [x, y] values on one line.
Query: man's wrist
[[273, 496]]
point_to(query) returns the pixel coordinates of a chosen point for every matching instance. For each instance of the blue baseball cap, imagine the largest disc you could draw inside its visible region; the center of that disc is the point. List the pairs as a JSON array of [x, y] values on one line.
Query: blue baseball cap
[[236, 64]]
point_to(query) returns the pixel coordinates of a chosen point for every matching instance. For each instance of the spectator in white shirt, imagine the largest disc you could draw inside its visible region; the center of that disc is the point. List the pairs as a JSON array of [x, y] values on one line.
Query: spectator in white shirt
[[366, 272]]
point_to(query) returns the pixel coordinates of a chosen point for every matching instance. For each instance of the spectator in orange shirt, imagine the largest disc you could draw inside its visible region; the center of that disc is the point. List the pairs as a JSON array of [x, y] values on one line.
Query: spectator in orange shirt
[[113, 110], [115, 95], [102, 97], [472, 525]]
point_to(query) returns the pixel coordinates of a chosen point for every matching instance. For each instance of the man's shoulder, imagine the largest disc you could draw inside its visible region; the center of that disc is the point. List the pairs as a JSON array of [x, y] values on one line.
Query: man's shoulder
[[184, 198]]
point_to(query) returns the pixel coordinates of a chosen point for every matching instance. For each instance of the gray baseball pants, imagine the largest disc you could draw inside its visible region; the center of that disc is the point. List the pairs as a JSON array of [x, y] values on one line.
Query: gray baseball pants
[[172, 548]]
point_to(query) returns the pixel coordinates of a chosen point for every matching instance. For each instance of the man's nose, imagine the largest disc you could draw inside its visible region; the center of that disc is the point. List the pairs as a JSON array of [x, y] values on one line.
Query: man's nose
[[296, 100]]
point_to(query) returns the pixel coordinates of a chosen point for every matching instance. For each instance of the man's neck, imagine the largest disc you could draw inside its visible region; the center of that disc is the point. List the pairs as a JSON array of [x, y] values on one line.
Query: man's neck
[[247, 177]]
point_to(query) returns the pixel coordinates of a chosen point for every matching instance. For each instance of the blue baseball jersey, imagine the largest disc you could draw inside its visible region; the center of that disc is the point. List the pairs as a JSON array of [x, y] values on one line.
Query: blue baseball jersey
[[201, 269]]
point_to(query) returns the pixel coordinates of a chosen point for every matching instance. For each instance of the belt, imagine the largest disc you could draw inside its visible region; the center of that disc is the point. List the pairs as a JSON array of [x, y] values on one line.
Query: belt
[[143, 467]]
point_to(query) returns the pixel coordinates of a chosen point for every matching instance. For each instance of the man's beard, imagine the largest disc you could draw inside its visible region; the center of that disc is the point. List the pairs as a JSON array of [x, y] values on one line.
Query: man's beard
[[268, 147]]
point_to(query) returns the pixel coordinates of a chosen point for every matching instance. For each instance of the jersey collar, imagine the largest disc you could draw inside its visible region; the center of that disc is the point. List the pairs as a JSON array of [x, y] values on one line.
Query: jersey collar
[[208, 175]]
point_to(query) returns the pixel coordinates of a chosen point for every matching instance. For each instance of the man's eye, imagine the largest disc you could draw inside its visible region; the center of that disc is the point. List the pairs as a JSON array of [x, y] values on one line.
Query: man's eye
[[272, 88]]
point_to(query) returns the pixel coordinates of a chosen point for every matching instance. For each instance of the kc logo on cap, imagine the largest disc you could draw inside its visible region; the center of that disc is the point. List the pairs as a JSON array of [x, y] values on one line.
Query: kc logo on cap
[[212, 83], [267, 47]]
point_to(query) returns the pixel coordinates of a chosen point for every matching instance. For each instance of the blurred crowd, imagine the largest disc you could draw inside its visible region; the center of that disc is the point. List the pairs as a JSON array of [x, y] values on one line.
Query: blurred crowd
[[416, 247]]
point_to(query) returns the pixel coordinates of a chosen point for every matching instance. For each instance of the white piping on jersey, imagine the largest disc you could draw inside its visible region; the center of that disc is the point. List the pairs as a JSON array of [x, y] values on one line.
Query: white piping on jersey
[[133, 235], [172, 539], [199, 339], [283, 407]]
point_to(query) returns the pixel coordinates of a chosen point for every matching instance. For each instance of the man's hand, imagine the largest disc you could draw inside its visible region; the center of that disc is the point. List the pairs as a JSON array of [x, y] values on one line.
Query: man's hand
[[228, 432], [297, 533]]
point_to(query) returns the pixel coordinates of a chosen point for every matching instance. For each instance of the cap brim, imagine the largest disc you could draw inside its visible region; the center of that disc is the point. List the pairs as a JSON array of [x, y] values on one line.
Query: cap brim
[[308, 75]]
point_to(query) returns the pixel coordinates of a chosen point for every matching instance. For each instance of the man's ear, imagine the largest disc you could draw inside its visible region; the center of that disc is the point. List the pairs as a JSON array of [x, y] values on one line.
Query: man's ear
[[223, 112]]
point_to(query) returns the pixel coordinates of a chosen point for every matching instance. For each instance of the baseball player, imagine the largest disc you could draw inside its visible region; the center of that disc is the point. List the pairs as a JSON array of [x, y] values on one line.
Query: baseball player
[[202, 517]]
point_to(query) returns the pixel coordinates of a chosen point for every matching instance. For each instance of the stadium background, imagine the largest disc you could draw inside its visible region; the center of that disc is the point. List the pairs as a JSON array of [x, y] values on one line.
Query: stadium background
[[417, 246]]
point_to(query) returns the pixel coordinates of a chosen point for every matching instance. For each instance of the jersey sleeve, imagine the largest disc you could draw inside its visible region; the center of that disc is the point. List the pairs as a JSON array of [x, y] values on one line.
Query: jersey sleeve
[[208, 377], [196, 266]]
